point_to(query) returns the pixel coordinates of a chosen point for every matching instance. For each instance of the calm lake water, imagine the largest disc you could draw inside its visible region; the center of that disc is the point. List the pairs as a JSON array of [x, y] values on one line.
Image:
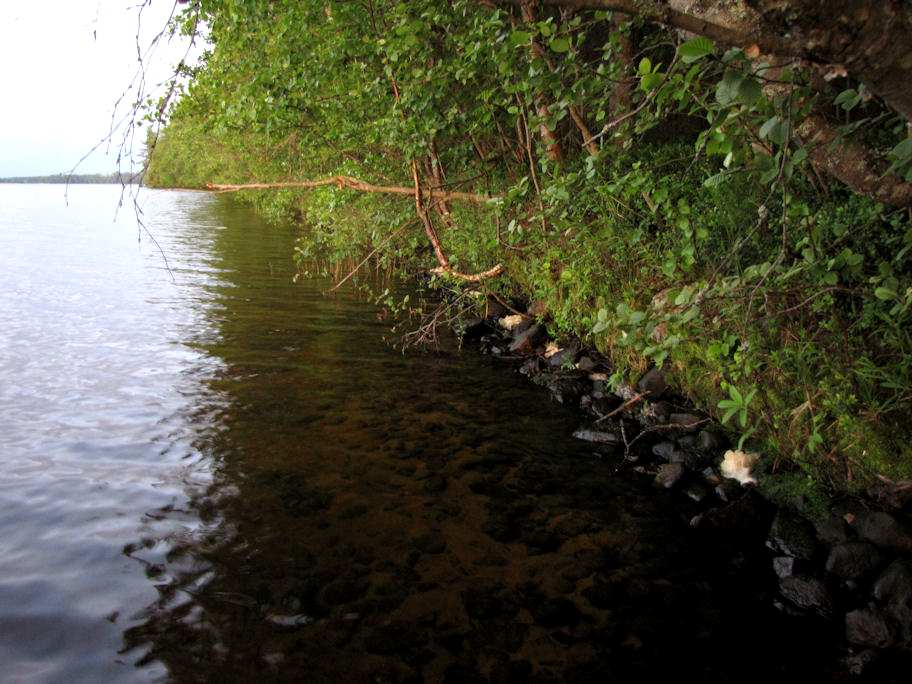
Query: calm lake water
[[209, 472]]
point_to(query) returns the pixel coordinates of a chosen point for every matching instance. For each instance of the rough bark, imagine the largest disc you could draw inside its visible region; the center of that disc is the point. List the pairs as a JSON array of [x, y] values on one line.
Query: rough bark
[[871, 39], [851, 163]]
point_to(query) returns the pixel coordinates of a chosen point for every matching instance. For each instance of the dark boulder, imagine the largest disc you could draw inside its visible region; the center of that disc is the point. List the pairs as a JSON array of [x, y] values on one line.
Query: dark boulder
[[475, 328], [566, 387], [696, 491], [868, 627], [652, 384], [884, 530], [807, 593], [784, 566], [729, 490], [669, 475], [792, 535], [564, 357], [686, 422], [526, 341], [853, 560], [832, 530], [893, 591], [667, 451], [708, 441], [747, 517], [587, 364]]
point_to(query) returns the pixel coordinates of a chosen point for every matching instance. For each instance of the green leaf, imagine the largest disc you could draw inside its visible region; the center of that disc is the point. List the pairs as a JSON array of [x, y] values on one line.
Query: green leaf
[[749, 91], [560, 44], [520, 38], [695, 49], [903, 150], [847, 99], [885, 293], [714, 181], [650, 81], [645, 66], [727, 89], [774, 130]]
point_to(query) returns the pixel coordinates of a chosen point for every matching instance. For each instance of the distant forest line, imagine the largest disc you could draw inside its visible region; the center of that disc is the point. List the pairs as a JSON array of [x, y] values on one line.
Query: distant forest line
[[85, 178]]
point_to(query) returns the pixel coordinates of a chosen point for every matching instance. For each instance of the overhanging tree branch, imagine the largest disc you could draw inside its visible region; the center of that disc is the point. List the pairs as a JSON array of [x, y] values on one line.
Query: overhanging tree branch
[[433, 194]]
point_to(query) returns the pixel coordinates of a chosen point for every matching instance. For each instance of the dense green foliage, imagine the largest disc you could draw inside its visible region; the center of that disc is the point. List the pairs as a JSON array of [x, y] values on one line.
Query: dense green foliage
[[698, 235]]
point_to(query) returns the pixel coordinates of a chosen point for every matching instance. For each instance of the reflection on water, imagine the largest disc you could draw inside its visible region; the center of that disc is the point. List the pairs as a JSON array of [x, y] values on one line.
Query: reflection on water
[[231, 476]]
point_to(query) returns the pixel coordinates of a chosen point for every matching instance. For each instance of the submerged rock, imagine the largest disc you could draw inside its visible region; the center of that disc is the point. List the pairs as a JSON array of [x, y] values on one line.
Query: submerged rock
[[556, 612], [597, 436]]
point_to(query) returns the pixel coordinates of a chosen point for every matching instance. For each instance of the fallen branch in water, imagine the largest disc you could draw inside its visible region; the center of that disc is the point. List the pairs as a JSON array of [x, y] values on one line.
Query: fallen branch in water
[[444, 267], [432, 194]]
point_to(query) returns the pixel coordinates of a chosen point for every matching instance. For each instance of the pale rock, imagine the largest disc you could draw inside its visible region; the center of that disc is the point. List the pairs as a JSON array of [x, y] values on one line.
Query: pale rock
[[738, 465], [510, 322], [551, 349]]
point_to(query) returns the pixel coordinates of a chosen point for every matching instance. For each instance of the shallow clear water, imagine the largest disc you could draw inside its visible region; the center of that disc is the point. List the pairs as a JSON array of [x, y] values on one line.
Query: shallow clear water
[[210, 472]]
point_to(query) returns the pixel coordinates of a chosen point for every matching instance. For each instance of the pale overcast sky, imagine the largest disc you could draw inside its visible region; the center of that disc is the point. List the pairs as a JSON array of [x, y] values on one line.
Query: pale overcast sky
[[63, 64]]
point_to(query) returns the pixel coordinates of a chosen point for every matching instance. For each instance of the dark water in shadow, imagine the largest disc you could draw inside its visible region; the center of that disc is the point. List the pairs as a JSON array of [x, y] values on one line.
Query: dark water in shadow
[[231, 476]]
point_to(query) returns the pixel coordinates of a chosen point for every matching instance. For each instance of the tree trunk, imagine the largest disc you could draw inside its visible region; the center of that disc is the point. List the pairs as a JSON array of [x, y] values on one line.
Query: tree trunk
[[552, 144], [851, 162]]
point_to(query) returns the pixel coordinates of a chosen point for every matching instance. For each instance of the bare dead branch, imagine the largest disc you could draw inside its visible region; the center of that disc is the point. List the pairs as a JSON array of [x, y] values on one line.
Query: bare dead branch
[[362, 186]]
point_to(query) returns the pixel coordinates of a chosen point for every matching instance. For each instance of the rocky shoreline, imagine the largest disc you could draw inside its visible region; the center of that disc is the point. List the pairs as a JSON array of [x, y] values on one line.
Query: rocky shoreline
[[848, 572]]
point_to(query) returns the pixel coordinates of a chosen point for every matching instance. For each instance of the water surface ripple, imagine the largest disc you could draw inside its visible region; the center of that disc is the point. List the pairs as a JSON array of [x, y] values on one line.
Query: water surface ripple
[[214, 473]]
